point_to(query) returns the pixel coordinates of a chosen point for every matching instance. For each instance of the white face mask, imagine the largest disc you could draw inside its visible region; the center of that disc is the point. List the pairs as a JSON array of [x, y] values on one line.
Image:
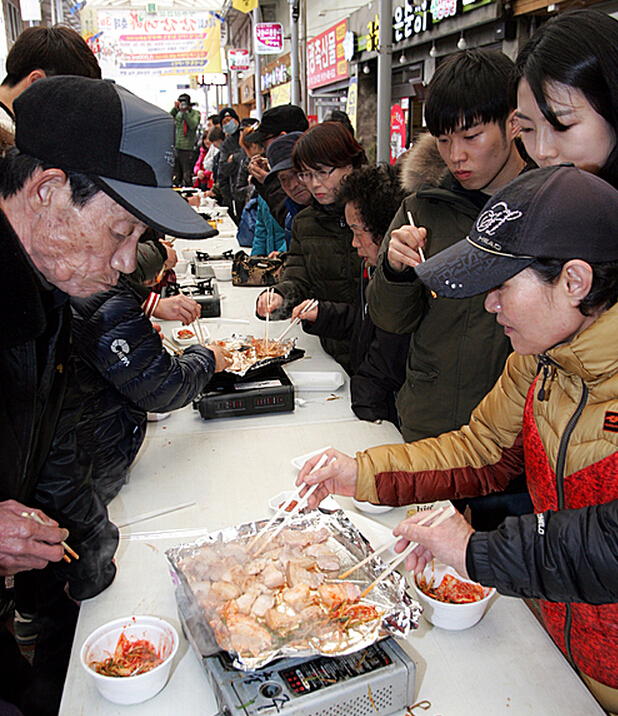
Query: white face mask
[[230, 127]]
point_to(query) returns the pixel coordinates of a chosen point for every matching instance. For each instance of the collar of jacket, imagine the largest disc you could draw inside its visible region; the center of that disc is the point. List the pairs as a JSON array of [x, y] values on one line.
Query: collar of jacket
[[592, 354], [23, 316]]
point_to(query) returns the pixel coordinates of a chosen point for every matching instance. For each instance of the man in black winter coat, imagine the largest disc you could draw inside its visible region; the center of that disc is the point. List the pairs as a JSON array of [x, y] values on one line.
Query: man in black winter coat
[[72, 207]]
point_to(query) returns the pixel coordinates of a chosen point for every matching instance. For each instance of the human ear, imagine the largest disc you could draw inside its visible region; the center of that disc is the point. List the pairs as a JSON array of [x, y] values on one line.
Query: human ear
[[576, 278], [34, 76], [41, 188], [512, 127]]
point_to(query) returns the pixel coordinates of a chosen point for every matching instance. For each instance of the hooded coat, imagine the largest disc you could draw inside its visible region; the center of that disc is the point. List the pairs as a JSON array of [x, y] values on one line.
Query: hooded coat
[[457, 350]]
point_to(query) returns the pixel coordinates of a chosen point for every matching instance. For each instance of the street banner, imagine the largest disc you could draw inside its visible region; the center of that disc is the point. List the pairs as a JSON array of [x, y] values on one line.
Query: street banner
[[172, 42]]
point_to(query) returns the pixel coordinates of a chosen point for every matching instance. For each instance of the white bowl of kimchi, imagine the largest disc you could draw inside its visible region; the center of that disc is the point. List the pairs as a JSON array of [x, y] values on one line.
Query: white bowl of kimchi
[[129, 659], [449, 601]]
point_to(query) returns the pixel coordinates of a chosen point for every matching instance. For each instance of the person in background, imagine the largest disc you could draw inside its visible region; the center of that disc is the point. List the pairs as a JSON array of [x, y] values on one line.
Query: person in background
[[124, 372], [187, 120], [544, 252], [230, 155], [203, 177], [456, 350], [338, 115], [212, 121], [243, 186], [566, 80], [279, 155], [71, 215], [371, 196], [41, 52], [275, 122], [215, 137], [322, 263]]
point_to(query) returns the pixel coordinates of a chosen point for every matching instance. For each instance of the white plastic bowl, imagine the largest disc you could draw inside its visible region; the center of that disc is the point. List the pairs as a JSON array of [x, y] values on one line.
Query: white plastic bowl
[[223, 270], [101, 644], [454, 617], [193, 339], [369, 508]]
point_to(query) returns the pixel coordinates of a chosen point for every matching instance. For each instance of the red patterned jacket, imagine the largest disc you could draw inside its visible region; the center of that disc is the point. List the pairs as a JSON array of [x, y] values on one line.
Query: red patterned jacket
[[564, 426]]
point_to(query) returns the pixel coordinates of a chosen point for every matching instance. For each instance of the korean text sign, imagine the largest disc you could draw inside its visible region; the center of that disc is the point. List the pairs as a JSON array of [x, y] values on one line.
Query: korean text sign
[[325, 57]]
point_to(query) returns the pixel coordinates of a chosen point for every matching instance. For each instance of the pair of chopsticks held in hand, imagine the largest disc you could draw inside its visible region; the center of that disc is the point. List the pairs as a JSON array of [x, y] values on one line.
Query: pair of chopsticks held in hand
[[438, 516], [65, 546], [287, 511]]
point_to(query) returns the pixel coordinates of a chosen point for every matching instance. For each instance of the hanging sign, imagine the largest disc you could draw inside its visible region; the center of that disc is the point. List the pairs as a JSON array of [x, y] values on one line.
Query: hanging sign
[[398, 132], [268, 38], [238, 60], [326, 61]]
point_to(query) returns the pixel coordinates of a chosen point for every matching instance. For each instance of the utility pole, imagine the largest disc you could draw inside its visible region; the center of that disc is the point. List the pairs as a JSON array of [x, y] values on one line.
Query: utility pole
[[385, 53], [294, 53], [255, 16]]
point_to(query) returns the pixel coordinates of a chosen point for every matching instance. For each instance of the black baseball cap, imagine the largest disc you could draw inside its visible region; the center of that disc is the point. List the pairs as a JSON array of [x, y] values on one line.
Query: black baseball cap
[[557, 212], [283, 118], [121, 142], [279, 152]]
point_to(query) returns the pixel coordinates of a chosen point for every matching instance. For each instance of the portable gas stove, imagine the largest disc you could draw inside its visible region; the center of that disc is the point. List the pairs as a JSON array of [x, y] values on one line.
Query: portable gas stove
[[205, 292], [202, 263], [228, 396], [376, 680]]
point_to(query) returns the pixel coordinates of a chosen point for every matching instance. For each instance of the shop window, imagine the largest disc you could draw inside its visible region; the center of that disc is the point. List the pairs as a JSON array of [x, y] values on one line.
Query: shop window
[[13, 22]]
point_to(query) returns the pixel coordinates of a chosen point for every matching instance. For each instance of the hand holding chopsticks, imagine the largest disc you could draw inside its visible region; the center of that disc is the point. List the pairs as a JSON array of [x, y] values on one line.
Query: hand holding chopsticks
[[285, 510], [419, 248], [65, 546], [446, 514], [298, 319]]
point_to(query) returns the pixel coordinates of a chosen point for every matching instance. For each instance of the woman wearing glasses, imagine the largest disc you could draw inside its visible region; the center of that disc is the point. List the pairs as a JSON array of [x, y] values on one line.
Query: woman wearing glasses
[[322, 263]]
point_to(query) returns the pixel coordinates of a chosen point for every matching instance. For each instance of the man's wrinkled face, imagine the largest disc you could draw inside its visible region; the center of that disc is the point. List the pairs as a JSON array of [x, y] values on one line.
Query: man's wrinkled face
[[83, 250]]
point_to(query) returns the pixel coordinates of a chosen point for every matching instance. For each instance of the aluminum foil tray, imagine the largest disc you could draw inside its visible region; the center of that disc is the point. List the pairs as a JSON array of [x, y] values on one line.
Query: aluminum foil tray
[[218, 623]]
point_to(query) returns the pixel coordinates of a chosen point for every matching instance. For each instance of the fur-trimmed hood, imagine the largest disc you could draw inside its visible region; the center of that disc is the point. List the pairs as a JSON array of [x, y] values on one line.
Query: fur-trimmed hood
[[422, 164]]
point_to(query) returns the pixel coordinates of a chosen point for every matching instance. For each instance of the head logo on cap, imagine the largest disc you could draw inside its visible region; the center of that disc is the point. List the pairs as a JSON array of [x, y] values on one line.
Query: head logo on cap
[[492, 219]]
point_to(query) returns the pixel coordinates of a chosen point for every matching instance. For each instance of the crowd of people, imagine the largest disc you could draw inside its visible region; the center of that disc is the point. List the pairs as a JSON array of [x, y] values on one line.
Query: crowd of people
[[469, 292]]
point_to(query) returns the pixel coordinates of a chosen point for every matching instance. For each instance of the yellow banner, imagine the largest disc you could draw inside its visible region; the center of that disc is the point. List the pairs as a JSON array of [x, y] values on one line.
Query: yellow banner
[[245, 5]]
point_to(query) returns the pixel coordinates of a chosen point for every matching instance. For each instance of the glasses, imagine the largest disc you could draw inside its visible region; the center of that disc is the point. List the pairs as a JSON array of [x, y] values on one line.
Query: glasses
[[321, 175]]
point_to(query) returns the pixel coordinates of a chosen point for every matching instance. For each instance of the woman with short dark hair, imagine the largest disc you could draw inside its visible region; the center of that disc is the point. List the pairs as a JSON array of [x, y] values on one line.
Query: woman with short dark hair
[[322, 263]]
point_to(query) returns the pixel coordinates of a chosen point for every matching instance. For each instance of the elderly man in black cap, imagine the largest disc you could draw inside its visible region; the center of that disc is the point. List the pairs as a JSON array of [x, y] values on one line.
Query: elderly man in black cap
[[279, 155], [73, 205], [276, 122], [187, 120]]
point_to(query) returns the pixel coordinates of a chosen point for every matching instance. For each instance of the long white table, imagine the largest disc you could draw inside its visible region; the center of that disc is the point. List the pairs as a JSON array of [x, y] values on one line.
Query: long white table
[[223, 472]]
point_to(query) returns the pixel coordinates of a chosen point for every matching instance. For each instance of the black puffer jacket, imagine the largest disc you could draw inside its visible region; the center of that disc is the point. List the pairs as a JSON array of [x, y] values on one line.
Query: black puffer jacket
[[377, 358], [123, 371], [322, 264], [41, 463]]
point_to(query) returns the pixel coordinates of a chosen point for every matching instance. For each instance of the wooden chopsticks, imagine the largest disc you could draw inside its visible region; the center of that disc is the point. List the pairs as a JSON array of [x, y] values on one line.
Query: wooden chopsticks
[[421, 253], [168, 344], [449, 512], [269, 294], [298, 319], [65, 546], [301, 503]]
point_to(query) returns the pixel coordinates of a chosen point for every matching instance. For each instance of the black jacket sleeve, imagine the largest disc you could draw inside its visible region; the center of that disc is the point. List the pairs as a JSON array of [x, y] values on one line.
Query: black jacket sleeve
[[566, 556], [65, 493]]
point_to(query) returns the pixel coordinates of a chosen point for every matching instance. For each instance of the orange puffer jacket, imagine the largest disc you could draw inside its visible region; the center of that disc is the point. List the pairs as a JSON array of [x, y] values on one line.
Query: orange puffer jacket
[[563, 426]]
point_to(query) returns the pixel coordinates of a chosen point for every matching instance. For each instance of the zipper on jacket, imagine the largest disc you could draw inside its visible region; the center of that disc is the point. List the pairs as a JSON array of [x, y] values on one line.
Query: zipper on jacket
[[544, 367], [560, 462]]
